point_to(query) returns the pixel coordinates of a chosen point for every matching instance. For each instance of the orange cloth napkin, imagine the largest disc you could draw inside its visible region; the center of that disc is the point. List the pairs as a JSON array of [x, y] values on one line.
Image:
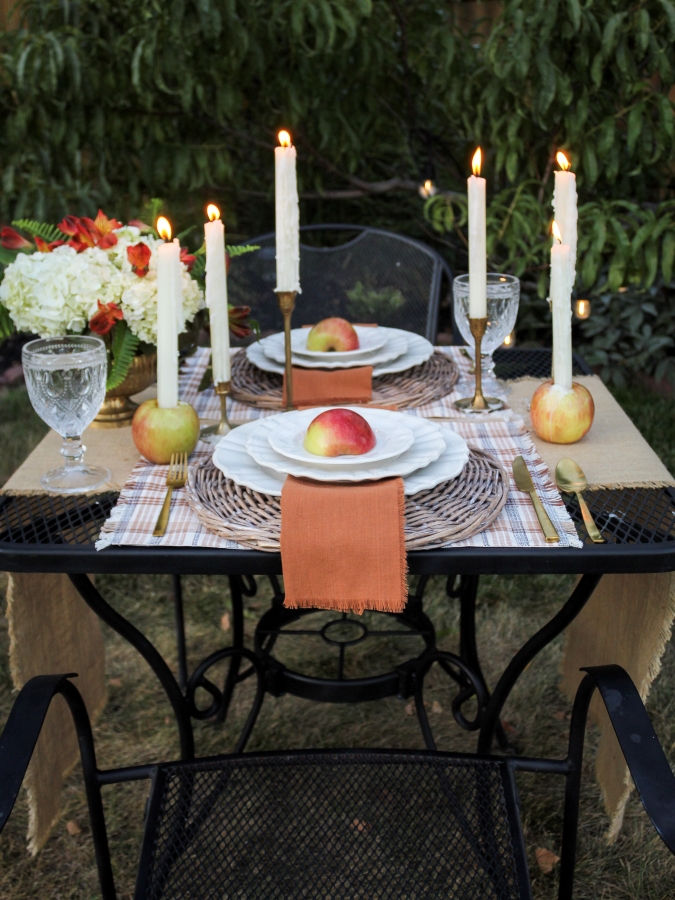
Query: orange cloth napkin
[[323, 387], [343, 546]]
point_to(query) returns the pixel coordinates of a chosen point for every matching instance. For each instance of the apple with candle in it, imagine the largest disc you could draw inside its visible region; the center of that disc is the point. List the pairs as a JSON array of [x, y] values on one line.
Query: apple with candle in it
[[561, 416], [333, 334], [339, 432], [157, 432]]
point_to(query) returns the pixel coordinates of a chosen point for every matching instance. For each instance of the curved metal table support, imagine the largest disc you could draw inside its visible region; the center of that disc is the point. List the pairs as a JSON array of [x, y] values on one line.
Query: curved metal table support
[[403, 681], [569, 611]]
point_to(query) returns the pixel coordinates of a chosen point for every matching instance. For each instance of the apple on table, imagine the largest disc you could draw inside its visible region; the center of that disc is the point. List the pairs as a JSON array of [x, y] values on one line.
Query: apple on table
[[339, 432], [334, 334], [157, 432], [560, 416]]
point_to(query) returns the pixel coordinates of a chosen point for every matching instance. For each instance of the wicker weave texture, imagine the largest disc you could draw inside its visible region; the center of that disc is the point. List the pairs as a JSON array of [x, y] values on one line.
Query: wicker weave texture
[[452, 511], [422, 384]]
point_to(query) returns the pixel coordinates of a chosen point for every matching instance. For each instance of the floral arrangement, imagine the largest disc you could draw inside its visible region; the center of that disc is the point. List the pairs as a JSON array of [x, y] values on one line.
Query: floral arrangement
[[96, 276]]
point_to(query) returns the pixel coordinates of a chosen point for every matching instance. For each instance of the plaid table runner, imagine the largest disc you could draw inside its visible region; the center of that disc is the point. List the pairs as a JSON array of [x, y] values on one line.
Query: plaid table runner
[[133, 518]]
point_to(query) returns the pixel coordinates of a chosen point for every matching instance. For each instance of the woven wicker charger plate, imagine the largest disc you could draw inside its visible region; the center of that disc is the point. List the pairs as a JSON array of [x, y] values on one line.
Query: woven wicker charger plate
[[452, 511], [422, 384]]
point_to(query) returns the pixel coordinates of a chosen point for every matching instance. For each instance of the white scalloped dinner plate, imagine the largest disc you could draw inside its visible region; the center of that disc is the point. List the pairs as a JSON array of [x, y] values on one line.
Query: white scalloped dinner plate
[[370, 339], [419, 350], [392, 434], [427, 447], [395, 345], [231, 458]]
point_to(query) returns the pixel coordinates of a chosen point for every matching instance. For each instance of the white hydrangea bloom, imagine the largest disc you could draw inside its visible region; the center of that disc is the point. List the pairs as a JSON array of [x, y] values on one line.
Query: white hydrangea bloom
[[52, 293], [58, 292]]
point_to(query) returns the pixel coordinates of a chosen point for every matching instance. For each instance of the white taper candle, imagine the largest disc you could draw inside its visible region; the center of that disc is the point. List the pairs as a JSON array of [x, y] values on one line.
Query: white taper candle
[[168, 287], [216, 296], [565, 212], [561, 311], [477, 242], [287, 215]]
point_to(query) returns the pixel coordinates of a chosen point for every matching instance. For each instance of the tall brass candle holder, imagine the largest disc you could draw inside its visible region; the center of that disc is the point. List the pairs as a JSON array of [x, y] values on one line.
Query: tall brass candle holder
[[287, 305], [224, 426], [478, 403]]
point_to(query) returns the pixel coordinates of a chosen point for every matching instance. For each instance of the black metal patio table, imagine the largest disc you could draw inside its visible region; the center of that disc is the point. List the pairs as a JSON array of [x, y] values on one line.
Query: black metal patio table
[[51, 533]]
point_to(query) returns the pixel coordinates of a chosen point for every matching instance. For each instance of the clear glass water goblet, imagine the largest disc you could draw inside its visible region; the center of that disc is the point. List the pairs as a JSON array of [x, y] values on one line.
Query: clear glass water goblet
[[503, 299], [66, 377]]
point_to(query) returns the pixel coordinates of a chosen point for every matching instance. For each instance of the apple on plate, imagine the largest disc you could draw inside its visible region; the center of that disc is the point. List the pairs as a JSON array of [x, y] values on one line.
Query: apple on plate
[[561, 416], [339, 432], [157, 433], [333, 334]]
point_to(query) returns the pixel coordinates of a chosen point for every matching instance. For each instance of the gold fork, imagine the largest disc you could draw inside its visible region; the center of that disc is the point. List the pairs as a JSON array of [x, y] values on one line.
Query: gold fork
[[176, 478]]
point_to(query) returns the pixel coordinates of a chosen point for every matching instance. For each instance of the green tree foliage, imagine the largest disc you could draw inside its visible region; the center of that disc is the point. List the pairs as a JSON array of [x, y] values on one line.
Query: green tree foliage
[[110, 102]]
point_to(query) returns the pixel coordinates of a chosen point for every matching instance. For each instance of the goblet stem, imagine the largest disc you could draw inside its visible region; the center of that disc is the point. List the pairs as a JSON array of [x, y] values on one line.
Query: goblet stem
[[72, 451]]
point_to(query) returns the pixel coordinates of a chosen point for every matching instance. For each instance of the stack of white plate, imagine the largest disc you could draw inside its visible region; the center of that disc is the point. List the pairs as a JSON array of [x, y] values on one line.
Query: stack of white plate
[[387, 350], [260, 454]]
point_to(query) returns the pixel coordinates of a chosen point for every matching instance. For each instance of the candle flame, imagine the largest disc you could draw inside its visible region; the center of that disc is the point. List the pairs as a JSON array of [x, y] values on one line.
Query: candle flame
[[563, 161], [212, 212], [164, 228], [556, 232], [284, 139], [476, 162]]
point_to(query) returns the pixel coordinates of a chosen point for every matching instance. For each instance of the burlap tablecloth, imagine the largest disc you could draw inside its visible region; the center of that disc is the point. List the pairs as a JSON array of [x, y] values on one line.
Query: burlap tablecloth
[[627, 621]]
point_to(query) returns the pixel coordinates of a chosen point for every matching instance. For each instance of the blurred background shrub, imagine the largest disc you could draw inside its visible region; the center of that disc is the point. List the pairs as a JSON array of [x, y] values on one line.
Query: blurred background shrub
[[112, 102]]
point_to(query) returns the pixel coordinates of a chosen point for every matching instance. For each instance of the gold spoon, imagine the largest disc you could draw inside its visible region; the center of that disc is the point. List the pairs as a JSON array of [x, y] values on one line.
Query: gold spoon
[[569, 477]]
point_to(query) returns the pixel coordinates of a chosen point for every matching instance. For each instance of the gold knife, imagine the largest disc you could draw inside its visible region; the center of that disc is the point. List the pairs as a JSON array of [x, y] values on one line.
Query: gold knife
[[523, 481]]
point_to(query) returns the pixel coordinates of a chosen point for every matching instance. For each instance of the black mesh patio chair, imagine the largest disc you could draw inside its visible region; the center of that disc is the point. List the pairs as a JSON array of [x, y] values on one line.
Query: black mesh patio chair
[[342, 824], [362, 274]]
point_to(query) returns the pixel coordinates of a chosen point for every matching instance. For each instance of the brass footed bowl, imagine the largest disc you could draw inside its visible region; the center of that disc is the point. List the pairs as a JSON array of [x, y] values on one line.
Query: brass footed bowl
[[117, 410]]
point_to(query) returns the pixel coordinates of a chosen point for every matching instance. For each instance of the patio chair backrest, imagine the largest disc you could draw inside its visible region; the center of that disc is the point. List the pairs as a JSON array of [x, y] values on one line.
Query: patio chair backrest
[[361, 274]]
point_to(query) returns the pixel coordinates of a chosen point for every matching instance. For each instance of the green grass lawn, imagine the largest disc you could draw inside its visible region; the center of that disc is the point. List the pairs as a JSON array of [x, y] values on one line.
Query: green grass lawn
[[137, 724]]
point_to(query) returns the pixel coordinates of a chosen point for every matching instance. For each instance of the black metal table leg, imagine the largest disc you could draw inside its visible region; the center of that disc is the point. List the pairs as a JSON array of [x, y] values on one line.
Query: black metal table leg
[[237, 597], [150, 654], [179, 620], [569, 611], [468, 647]]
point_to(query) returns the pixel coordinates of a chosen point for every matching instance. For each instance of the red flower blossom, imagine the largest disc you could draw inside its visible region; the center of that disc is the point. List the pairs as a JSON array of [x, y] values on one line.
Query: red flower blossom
[[44, 247], [107, 316], [104, 228], [187, 258], [238, 316], [85, 232], [12, 240], [139, 257]]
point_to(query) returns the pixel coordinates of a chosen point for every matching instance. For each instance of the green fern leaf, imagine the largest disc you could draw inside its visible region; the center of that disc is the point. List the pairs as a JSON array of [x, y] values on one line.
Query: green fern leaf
[[240, 249], [48, 233], [124, 346]]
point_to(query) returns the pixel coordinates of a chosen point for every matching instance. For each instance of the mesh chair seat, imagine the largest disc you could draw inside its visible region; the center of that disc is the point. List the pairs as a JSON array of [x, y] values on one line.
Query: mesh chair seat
[[377, 276], [331, 825]]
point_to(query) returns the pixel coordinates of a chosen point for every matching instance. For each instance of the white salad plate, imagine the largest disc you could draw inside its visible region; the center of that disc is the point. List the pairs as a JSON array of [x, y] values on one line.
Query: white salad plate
[[231, 457], [395, 345], [370, 339], [419, 351], [391, 433], [426, 447]]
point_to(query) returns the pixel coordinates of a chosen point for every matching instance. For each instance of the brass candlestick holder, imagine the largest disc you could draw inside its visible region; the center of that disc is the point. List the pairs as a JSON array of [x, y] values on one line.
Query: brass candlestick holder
[[478, 403], [224, 426], [287, 305]]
